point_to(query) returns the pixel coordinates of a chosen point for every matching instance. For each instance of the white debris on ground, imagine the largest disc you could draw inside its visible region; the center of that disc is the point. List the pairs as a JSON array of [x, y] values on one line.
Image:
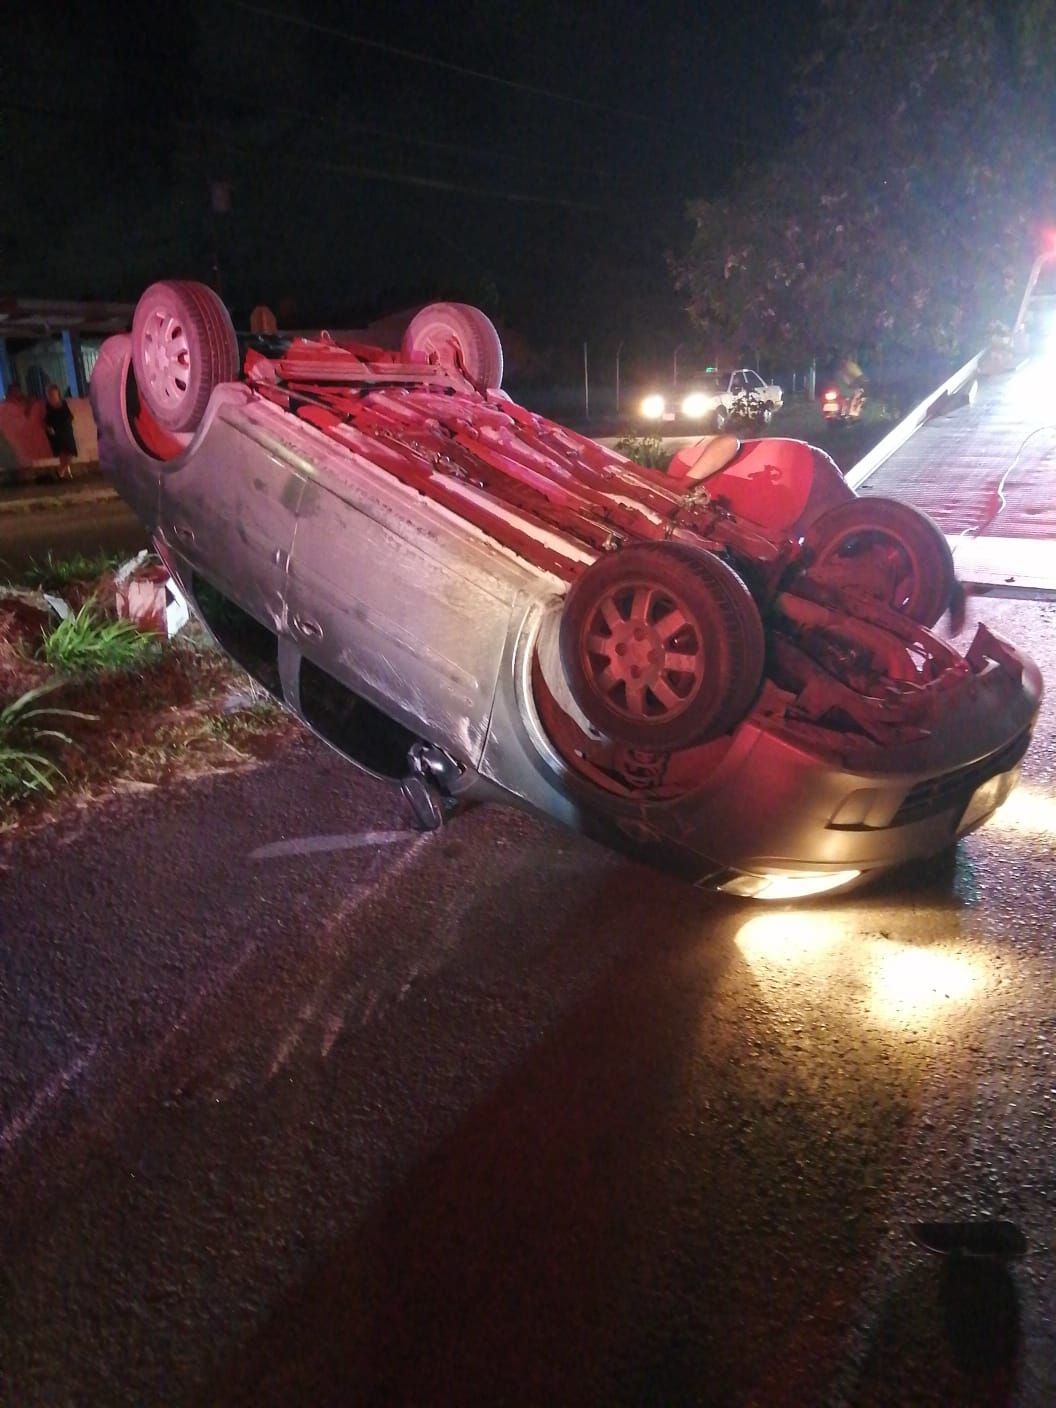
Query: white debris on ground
[[146, 595]]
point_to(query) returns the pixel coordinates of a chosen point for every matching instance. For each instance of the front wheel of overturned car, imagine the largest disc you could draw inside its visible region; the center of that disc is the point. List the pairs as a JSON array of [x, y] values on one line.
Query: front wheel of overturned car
[[887, 549], [183, 347], [459, 337], [662, 646]]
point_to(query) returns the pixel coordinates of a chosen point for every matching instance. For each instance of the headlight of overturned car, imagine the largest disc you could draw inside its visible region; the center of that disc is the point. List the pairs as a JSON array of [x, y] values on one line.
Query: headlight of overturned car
[[782, 886]]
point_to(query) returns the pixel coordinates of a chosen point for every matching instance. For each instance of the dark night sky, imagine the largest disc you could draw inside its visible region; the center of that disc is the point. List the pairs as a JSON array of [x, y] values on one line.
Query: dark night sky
[[535, 158]]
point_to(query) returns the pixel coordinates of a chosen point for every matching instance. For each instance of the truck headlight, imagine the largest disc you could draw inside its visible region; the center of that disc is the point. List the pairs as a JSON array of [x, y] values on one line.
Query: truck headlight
[[697, 404]]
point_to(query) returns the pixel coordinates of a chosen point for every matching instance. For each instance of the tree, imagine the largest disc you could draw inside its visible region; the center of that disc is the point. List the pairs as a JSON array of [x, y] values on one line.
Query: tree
[[907, 208]]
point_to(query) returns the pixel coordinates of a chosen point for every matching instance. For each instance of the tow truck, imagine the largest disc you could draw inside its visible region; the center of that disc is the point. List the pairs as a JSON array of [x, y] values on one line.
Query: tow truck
[[978, 455]]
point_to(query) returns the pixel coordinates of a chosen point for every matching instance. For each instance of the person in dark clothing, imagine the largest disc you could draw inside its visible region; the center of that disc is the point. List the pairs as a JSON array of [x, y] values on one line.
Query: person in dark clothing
[[58, 424]]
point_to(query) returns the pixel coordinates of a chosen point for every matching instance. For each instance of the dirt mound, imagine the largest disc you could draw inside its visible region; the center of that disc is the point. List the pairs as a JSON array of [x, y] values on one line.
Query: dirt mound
[[182, 712]]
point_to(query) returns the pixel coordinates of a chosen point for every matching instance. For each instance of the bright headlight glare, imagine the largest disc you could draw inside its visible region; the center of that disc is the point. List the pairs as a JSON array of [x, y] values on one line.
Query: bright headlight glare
[[696, 404], [653, 407], [903, 984], [1028, 811], [787, 887], [910, 984]]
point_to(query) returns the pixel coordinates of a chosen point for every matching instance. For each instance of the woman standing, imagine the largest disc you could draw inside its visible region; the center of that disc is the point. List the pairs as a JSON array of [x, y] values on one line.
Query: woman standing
[[58, 424]]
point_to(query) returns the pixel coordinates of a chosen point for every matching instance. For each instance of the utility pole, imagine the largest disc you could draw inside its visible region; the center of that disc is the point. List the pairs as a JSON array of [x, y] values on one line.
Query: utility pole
[[219, 204]]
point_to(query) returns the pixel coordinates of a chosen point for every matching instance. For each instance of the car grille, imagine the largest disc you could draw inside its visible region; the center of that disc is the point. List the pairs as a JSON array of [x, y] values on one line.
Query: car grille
[[950, 789]]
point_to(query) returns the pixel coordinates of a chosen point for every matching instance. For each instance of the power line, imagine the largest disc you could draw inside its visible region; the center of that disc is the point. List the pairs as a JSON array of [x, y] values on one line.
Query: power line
[[373, 173], [482, 153], [333, 32], [328, 119], [369, 173]]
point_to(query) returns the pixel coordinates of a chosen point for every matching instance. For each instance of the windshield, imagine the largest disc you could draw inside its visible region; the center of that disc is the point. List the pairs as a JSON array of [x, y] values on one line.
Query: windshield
[[706, 381]]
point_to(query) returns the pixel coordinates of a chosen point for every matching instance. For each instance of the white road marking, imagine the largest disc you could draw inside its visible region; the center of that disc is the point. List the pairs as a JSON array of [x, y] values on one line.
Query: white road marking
[[292, 1039], [331, 1031], [331, 1020], [309, 845], [16, 1127], [217, 984]]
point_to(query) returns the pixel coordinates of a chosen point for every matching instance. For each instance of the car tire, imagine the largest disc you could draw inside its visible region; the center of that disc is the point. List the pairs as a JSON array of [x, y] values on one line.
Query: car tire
[[767, 415], [459, 337], [662, 646], [888, 549], [183, 347]]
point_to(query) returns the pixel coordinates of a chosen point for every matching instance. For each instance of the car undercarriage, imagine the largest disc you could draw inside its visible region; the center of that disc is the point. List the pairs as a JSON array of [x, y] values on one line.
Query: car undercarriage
[[619, 647]]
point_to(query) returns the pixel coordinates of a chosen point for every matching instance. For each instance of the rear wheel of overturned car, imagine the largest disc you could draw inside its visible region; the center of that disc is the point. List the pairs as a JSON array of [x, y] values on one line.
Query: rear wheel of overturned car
[[889, 550], [662, 646], [459, 337], [183, 346]]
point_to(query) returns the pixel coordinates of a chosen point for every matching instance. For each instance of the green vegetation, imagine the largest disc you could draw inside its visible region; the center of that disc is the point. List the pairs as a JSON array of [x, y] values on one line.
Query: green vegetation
[[54, 572], [86, 642], [139, 710], [910, 202], [646, 450], [24, 768]]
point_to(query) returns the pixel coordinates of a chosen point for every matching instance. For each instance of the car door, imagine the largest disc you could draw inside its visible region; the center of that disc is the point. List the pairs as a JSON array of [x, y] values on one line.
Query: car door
[[400, 605], [228, 516]]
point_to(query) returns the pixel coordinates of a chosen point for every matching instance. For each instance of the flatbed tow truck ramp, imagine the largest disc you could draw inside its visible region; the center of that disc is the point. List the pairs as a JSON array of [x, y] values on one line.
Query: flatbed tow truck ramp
[[979, 455]]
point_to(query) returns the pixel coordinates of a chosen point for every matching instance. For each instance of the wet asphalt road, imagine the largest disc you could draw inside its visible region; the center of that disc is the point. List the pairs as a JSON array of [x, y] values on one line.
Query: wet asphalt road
[[86, 518], [298, 1106]]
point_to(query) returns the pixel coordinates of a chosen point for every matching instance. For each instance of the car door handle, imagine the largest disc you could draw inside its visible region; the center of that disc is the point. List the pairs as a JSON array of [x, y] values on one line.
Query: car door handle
[[305, 626], [183, 533]]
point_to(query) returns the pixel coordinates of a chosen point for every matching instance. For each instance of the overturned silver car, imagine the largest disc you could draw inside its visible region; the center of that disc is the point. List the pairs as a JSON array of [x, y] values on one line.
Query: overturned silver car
[[725, 670]]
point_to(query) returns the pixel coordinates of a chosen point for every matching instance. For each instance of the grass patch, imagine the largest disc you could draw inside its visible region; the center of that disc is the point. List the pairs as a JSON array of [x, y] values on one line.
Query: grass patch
[[647, 450], [125, 711], [86, 643], [25, 765], [185, 713], [52, 573], [209, 739]]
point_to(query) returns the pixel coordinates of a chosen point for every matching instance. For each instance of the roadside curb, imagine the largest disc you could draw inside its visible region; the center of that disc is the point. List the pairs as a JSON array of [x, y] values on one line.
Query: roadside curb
[[56, 498]]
